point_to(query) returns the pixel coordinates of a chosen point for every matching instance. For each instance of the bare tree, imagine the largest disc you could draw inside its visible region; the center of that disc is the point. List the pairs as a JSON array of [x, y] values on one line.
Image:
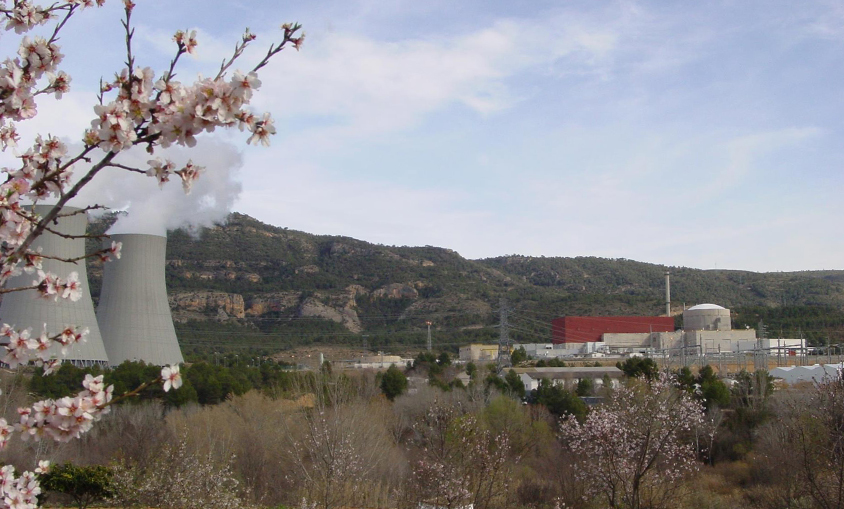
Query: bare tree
[[336, 447]]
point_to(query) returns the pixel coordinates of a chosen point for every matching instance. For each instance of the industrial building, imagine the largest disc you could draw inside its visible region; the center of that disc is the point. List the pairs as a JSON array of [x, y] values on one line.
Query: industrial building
[[568, 377], [707, 329], [808, 374], [588, 329], [24, 309], [478, 353], [379, 361], [134, 312]]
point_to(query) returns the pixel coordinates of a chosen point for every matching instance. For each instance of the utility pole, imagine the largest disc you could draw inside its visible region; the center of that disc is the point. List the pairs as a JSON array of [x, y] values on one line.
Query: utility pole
[[429, 335], [503, 338]]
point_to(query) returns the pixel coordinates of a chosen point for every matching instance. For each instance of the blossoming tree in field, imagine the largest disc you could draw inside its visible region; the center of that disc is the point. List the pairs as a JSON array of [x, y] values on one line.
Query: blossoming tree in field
[[639, 445], [137, 108]]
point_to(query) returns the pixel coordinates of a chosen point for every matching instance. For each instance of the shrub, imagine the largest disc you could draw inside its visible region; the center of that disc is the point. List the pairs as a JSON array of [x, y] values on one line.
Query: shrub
[[85, 484]]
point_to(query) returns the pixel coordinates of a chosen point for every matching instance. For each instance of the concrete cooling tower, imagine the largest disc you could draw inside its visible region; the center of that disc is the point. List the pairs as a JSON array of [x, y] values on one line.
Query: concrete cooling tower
[[25, 309], [133, 312]]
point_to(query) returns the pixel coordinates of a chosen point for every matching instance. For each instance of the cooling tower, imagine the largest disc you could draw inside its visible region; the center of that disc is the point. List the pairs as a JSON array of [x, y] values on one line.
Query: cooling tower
[[25, 309], [133, 312]]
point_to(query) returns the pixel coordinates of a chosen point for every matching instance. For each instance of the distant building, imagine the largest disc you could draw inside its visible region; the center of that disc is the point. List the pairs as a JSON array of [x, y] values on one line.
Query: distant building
[[588, 329], [808, 374], [710, 317], [372, 362], [476, 352], [707, 329], [552, 351], [568, 376]]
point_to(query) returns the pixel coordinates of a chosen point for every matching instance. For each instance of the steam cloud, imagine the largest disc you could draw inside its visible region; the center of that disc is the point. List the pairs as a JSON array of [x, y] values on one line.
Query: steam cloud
[[153, 210]]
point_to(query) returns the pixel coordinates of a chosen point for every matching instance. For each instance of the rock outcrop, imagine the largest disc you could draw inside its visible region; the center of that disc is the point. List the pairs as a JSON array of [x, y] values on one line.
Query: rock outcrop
[[396, 291], [278, 302], [207, 303], [344, 315]]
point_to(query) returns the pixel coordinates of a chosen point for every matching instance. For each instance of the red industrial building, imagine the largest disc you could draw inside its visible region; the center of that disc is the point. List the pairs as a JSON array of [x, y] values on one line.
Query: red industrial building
[[585, 329]]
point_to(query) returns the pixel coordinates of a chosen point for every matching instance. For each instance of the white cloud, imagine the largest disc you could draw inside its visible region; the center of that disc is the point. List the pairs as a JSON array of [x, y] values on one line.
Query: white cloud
[[371, 86]]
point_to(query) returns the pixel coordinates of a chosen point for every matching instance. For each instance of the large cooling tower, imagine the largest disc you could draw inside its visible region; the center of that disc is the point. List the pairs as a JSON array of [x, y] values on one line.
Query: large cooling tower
[[133, 312], [25, 309]]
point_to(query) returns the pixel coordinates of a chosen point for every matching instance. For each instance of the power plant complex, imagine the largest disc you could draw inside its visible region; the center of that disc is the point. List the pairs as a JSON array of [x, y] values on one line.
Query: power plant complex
[[132, 321], [707, 330]]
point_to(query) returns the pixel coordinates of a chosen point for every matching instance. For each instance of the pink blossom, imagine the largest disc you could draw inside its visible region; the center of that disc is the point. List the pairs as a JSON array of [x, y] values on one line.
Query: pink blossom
[[262, 130], [189, 174]]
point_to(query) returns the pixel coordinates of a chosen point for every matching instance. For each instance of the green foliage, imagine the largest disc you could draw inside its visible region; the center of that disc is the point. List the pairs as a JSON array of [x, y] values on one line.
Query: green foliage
[[203, 383], [515, 384], [444, 359], [706, 387], [636, 367], [558, 400], [518, 356], [495, 381], [471, 370], [585, 387], [550, 363], [817, 323], [393, 383], [65, 381], [85, 484]]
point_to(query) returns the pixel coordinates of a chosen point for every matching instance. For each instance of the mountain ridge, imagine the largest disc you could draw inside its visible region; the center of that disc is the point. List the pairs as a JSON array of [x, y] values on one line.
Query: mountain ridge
[[286, 287]]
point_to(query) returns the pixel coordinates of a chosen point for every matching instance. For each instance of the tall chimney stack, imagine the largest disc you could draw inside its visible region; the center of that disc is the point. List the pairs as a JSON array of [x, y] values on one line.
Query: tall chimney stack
[[134, 312], [667, 293]]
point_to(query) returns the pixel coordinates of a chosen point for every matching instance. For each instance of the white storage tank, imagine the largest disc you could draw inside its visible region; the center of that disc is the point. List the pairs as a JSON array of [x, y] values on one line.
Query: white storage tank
[[707, 317]]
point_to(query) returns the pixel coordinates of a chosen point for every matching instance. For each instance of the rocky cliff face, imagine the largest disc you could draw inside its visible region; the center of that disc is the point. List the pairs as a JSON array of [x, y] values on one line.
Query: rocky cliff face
[[200, 305], [340, 306]]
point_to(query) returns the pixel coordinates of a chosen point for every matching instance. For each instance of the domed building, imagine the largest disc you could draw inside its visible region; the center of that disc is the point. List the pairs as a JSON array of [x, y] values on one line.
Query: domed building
[[707, 317]]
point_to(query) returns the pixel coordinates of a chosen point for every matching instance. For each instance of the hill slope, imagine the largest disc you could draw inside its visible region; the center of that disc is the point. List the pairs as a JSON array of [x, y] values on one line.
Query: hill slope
[[248, 284]]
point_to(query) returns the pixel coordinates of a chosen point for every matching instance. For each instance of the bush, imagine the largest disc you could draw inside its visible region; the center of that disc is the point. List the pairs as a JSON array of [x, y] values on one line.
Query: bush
[[393, 383], [85, 484]]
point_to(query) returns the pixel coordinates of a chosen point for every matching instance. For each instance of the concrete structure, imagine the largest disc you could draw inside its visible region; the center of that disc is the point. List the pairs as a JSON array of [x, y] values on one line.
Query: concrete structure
[[373, 362], [568, 376], [583, 329], [24, 309], [134, 313], [718, 341], [707, 317], [808, 374], [620, 342], [476, 352], [552, 351]]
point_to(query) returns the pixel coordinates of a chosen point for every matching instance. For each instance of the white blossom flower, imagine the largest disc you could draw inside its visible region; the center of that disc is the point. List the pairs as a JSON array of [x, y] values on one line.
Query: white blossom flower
[[172, 377]]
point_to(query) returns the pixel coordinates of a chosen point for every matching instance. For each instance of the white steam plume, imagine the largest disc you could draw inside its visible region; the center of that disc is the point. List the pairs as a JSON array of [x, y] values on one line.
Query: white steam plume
[[153, 210]]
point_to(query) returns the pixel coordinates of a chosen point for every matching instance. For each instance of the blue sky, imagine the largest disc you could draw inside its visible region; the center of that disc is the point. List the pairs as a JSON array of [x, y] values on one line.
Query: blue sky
[[704, 134]]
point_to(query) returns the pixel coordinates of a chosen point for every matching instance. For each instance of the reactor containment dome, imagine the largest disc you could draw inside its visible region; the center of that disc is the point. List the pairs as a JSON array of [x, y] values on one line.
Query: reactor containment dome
[[707, 317], [24, 309], [133, 312]]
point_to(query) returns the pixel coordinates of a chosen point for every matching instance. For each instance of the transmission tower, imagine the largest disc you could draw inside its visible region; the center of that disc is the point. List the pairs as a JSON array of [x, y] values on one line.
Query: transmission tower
[[429, 335], [760, 355], [503, 338]]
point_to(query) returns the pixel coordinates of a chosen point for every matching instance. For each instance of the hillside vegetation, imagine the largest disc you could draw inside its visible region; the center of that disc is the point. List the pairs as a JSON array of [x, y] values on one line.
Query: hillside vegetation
[[246, 284]]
